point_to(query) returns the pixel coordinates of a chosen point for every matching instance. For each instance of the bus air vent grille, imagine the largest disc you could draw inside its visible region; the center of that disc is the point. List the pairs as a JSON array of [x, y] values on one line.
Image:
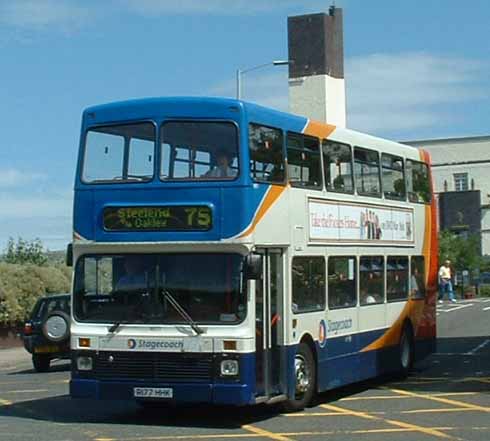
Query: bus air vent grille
[[155, 366]]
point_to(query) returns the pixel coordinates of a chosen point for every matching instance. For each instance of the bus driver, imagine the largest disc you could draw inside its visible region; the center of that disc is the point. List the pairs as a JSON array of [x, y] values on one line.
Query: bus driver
[[222, 168]]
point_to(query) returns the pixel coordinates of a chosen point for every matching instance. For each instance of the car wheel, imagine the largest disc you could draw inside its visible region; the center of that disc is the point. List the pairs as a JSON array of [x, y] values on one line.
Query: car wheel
[[406, 351], [305, 375], [41, 362], [56, 327]]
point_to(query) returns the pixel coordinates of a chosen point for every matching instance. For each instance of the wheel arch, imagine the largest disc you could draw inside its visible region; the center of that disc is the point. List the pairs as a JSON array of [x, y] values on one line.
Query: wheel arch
[[308, 340]]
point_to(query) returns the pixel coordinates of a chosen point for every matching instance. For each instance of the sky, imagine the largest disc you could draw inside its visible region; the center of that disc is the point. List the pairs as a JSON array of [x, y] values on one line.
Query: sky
[[413, 70]]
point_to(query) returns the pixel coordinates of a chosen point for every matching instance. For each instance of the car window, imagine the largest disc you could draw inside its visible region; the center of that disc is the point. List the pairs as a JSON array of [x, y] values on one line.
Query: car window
[[53, 304]]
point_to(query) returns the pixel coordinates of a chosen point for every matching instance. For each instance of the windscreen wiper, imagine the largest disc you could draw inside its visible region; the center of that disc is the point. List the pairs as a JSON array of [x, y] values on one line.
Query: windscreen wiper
[[115, 327], [182, 312]]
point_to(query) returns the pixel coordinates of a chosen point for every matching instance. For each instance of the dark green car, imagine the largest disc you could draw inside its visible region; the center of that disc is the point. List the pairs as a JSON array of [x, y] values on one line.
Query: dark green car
[[47, 332]]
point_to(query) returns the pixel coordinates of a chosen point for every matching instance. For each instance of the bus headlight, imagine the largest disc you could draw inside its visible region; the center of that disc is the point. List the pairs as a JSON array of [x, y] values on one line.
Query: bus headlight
[[229, 368], [84, 363]]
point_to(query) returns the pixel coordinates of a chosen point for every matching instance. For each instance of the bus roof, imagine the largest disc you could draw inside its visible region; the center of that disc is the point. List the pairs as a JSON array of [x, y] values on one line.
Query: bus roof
[[187, 106]]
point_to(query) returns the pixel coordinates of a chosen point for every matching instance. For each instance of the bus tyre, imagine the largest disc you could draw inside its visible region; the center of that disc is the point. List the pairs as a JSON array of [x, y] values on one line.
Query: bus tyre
[[41, 362], [406, 351], [305, 375]]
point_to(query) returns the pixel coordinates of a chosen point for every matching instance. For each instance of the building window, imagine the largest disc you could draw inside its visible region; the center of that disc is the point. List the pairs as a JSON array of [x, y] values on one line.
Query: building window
[[461, 181]]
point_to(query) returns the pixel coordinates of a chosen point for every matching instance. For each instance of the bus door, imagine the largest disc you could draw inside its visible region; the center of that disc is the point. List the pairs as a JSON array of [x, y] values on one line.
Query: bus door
[[269, 332]]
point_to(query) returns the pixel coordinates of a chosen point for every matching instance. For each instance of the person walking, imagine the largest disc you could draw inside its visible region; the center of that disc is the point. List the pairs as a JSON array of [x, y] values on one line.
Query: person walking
[[445, 283]]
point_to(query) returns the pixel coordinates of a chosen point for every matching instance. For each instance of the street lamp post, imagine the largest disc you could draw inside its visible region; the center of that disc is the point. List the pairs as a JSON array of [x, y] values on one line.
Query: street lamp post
[[240, 72]]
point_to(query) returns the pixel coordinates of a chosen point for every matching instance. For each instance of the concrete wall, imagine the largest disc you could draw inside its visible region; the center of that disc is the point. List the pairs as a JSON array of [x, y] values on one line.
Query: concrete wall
[[318, 97]]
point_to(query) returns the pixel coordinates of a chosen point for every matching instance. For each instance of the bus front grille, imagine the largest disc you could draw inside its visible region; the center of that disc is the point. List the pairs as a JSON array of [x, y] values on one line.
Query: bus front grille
[[154, 366]]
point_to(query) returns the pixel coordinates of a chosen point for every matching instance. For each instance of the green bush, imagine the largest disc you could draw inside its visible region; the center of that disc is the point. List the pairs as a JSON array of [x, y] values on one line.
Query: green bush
[[22, 285], [484, 291]]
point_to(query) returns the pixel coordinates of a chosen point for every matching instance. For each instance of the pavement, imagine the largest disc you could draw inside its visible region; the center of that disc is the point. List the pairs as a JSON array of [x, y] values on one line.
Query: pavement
[[12, 357]]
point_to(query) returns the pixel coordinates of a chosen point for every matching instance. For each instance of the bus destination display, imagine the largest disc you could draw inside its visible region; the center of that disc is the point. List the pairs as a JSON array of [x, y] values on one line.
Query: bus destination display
[[163, 218]]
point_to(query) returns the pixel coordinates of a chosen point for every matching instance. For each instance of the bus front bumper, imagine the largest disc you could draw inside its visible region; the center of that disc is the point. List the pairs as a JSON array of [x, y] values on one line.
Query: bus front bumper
[[217, 393]]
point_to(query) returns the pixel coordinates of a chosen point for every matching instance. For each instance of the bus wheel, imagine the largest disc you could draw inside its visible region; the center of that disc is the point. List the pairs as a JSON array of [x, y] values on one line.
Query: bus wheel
[[406, 351], [305, 375]]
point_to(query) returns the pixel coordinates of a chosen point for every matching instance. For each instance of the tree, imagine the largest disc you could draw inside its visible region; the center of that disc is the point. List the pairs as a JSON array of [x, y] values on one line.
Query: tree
[[462, 251], [24, 252]]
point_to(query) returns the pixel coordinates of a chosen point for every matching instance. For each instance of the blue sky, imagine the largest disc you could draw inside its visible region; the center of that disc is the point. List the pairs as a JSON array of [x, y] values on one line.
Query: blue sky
[[414, 70]]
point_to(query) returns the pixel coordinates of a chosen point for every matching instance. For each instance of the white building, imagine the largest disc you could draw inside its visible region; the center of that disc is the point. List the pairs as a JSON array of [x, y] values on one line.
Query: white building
[[463, 164]]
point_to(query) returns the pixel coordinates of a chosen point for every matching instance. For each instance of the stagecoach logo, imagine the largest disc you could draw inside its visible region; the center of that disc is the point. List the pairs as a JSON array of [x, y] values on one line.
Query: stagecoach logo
[[155, 345], [322, 334], [334, 326]]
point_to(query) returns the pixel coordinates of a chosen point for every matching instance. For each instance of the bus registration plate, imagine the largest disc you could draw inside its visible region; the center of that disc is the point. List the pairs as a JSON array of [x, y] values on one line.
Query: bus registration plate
[[153, 392]]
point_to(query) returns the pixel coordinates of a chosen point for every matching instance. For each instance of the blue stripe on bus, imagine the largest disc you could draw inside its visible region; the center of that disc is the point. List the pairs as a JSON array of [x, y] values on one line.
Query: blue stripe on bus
[[224, 394]]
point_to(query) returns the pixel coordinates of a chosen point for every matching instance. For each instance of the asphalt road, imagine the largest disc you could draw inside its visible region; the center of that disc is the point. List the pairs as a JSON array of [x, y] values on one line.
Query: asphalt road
[[447, 397]]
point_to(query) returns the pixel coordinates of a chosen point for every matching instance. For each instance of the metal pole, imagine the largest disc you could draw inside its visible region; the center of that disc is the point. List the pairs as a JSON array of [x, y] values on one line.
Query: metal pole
[[238, 84], [239, 73]]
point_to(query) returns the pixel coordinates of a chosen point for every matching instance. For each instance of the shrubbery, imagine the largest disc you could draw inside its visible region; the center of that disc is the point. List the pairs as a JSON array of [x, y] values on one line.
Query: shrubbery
[[26, 275], [484, 291]]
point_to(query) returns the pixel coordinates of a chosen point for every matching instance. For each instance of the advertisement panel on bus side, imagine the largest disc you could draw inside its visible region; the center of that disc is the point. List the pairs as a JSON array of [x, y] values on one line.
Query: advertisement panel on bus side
[[331, 220]]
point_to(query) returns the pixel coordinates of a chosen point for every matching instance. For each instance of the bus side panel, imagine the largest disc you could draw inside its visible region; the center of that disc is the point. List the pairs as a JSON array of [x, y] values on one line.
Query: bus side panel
[[338, 362], [84, 225], [373, 363]]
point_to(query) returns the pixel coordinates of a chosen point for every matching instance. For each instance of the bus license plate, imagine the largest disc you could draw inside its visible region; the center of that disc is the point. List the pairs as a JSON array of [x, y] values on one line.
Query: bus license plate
[[153, 392]]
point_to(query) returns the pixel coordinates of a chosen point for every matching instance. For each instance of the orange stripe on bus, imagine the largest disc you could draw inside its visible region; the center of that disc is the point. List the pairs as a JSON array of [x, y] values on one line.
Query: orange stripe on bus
[[272, 195], [321, 130]]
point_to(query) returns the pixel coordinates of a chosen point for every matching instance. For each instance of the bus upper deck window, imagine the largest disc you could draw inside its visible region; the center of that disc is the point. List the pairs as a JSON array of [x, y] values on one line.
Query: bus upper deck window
[[304, 169], [199, 150], [366, 171], [266, 154], [337, 165], [418, 182], [119, 153], [393, 177]]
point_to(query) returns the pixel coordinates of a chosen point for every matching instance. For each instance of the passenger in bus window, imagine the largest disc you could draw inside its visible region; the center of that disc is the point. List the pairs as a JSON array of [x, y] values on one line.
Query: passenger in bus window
[[222, 168]]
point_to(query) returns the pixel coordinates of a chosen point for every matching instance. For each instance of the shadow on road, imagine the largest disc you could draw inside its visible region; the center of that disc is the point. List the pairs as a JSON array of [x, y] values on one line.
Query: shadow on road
[[58, 366], [460, 365]]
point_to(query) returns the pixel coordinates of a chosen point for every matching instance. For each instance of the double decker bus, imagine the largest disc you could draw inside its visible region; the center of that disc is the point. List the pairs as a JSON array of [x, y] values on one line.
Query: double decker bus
[[232, 254]]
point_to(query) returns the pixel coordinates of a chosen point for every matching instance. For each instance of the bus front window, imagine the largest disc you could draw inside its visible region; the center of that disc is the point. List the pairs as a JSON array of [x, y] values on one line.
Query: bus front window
[[134, 288], [199, 151], [119, 153]]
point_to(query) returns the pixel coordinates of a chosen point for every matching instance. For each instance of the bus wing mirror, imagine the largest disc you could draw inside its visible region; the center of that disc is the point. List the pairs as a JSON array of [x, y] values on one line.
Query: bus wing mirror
[[69, 255], [253, 267]]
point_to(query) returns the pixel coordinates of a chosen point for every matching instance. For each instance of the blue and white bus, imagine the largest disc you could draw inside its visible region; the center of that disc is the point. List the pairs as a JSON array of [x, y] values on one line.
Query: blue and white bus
[[231, 254]]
